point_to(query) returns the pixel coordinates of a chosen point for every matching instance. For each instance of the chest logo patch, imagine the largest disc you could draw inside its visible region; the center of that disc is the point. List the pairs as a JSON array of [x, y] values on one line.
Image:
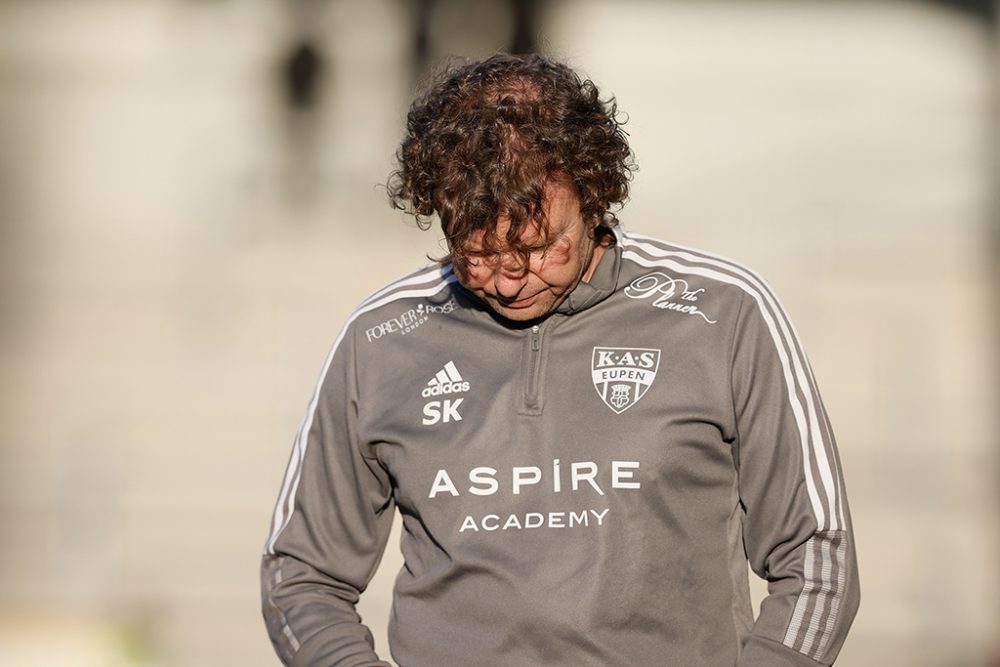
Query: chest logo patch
[[623, 375]]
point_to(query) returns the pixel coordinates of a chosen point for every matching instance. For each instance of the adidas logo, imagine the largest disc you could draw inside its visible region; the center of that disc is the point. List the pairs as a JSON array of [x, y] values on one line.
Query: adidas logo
[[446, 381]]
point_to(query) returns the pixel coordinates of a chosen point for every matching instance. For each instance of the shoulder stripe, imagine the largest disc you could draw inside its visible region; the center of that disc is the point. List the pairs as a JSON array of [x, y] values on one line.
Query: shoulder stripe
[[662, 260], [803, 372], [426, 273], [286, 498], [828, 432]]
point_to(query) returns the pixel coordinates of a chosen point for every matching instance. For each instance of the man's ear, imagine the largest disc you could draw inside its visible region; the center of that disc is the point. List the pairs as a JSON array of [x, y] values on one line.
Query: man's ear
[[601, 233]]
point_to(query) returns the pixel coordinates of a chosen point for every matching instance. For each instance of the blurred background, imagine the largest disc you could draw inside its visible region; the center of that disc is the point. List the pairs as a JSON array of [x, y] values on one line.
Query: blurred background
[[191, 204]]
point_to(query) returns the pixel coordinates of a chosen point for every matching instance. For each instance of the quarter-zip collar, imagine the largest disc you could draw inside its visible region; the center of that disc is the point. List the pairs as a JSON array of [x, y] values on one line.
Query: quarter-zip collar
[[601, 285]]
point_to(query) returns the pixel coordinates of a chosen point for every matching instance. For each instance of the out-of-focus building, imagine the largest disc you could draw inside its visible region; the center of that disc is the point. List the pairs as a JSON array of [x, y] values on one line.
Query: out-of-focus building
[[180, 245]]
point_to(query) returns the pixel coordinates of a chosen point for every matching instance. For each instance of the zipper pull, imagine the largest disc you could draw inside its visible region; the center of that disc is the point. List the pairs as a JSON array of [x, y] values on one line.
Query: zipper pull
[[534, 339]]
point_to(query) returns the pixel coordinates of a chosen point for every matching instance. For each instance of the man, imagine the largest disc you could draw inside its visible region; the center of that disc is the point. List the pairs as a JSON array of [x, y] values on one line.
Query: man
[[588, 433]]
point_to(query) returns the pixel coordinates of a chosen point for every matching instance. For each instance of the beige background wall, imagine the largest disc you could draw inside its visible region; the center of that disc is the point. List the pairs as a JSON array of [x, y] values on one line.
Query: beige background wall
[[178, 251]]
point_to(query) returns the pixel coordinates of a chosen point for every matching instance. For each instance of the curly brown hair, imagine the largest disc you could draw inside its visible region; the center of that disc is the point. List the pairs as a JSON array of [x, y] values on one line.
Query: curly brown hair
[[485, 138]]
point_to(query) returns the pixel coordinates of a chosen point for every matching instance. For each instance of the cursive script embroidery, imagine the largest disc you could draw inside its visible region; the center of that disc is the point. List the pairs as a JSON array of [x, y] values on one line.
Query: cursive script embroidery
[[665, 289]]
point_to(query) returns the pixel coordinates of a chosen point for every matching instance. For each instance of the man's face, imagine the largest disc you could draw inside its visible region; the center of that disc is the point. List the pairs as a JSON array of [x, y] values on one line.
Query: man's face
[[563, 254]]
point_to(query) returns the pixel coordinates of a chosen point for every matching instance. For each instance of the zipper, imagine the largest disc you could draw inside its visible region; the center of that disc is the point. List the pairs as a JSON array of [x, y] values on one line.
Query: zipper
[[534, 368]]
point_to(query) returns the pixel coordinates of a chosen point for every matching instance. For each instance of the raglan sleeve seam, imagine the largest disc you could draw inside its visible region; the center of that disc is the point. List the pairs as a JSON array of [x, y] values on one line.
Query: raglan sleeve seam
[[732, 365], [356, 393]]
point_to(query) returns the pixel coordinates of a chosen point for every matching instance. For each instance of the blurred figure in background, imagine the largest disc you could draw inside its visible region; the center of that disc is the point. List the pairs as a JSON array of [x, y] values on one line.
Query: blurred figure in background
[[523, 37], [588, 433], [303, 74]]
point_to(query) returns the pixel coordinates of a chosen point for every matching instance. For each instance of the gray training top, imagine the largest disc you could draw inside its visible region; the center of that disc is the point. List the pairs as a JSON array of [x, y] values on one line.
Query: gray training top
[[583, 492]]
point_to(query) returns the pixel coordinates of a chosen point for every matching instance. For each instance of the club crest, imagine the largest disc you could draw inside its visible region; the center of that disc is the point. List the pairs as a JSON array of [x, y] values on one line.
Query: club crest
[[623, 375]]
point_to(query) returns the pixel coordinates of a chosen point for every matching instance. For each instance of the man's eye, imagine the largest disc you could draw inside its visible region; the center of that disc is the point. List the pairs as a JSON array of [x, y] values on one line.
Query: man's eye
[[541, 250], [556, 249], [475, 260]]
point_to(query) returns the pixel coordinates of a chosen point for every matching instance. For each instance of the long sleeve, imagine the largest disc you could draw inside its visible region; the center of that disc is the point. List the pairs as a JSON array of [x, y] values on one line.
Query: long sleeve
[[329, 529], [796, 530]]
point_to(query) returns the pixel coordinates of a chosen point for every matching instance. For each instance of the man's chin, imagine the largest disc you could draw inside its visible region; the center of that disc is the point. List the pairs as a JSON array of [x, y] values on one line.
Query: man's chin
[[530, 312], [518, 315]]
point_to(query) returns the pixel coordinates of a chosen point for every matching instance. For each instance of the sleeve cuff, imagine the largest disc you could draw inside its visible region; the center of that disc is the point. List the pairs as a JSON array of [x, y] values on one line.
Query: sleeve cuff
[[761, 652], [324, 651]]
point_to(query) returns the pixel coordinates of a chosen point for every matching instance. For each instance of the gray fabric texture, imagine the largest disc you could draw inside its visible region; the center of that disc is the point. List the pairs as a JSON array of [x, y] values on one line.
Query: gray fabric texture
[[585, 492]]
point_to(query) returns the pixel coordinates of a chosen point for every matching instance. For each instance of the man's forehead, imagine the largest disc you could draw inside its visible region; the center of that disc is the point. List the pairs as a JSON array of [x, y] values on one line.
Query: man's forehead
[[533, 232], [560, 209]]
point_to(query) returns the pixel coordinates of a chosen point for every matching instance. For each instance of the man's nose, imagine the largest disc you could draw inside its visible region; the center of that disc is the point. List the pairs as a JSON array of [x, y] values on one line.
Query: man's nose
[[510, 276]]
